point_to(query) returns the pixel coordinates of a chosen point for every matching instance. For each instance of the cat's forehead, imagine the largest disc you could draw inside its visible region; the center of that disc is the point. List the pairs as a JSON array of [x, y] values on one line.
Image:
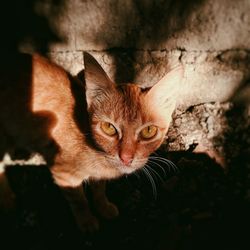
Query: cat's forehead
[[126, 104], [130, 103]]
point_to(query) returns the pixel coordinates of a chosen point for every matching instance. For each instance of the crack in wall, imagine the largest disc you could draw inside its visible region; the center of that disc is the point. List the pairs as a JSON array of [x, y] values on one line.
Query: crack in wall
[[124, 49], [238, 58]]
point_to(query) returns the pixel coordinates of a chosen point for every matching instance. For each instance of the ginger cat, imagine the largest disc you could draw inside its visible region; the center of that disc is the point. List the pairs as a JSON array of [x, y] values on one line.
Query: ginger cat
[[86, 132]]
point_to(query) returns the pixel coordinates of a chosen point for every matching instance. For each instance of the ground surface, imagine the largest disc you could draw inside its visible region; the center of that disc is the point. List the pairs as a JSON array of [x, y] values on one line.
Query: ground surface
[[200, 206]]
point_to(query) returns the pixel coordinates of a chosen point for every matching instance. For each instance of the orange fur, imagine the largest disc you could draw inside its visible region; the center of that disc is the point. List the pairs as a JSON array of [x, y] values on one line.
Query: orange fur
[[43, 109]]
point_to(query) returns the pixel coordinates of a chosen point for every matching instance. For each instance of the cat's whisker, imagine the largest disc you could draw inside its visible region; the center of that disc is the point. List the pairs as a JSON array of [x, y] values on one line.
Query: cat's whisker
[[158, 165], [162, 158], [151, 180], [166, 161], [98, 164], [86, 183], [161, 162], [110, 157], [154, 172], [147, 160]]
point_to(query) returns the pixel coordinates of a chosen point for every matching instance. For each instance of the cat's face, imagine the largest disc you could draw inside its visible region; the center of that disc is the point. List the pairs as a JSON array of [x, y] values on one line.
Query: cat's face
[[128, 123]]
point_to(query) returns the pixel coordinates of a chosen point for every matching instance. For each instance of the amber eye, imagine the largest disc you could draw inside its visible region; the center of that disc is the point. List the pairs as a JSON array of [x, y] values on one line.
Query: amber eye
[[108, 128], [148, 132]]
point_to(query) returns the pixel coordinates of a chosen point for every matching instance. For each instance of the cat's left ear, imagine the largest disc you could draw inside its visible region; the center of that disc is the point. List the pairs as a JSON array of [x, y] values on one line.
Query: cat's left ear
[[96, 80], [164, 94]]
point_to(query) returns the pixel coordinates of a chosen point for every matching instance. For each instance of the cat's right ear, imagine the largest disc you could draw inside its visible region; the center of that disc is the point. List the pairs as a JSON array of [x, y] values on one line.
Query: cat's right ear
[[164, 94], [96, 80]]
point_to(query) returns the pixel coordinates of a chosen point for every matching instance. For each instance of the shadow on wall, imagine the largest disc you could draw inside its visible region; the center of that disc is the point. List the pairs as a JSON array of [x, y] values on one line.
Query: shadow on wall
[[23, 25], [157, 21], [23, 22]]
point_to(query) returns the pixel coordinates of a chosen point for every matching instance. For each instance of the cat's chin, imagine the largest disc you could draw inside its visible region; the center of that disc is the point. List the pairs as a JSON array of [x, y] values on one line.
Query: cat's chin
[[125, 170]]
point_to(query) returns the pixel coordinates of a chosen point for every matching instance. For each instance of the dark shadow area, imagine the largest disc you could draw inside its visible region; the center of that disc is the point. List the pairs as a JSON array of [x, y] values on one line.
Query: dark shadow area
[[42, 219], [124, 60], [23, 23], [196, 207]]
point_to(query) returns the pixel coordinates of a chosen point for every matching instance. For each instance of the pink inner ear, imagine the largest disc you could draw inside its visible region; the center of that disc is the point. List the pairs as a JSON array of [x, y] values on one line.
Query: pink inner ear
[[167, 89]]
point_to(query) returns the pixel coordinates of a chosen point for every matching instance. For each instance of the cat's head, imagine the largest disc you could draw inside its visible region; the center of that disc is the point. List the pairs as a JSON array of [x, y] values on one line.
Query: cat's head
[[128, 123]]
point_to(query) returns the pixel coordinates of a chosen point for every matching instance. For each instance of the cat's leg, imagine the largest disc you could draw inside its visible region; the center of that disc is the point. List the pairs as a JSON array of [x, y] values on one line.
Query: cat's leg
[[80, 208], [103, 206], [7, 196]]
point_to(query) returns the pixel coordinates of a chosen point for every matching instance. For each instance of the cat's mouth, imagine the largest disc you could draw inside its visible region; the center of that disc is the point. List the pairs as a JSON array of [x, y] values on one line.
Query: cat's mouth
[[135, 164]]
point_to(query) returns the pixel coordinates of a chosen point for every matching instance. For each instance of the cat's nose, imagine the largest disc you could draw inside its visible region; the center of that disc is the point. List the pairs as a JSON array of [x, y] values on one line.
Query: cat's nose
[[126, 158]]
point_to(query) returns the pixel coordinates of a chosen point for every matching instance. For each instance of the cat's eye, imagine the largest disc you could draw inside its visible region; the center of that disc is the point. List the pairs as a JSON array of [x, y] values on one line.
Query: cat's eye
[[108, 128], [149, 132]]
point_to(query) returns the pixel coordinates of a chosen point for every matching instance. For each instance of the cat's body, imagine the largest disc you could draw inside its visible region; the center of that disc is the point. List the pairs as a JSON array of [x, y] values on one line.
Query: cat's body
[[38, 115], [93, 132]]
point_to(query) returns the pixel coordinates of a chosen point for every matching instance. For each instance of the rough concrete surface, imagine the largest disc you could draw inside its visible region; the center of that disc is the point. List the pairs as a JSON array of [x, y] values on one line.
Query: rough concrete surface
[[220, 130], [202, 25]]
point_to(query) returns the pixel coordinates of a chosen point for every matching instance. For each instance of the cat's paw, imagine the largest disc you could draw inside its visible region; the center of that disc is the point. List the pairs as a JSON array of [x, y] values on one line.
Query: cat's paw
[[108, 210], [88, 224]]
